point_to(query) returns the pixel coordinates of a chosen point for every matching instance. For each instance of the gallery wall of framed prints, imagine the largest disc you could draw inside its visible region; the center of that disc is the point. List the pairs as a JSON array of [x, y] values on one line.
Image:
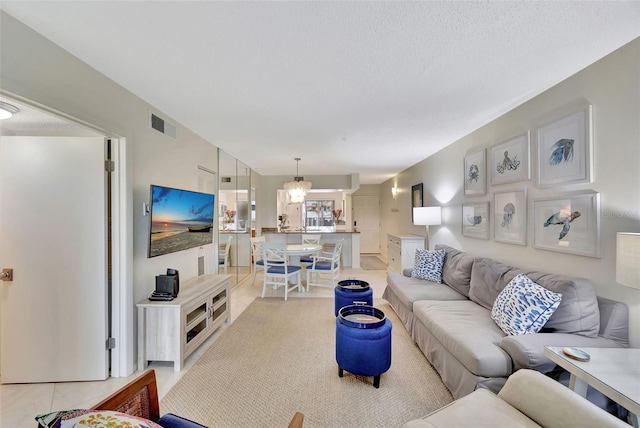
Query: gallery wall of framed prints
[[564, 219]]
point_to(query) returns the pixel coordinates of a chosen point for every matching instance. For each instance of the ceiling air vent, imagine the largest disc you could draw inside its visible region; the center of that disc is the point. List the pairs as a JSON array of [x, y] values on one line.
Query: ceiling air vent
[[163, 126]]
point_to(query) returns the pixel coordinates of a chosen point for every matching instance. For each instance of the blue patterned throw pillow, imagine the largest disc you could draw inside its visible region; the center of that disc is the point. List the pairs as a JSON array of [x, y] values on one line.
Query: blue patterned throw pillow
[[428, 265], [524, 307]]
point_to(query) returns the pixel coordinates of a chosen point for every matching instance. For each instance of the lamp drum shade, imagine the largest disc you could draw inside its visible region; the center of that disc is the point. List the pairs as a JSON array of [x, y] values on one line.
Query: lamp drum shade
[[427, 216]]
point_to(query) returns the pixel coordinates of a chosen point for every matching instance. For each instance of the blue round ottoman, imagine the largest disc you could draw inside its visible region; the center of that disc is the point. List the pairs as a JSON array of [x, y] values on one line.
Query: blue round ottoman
[[363, 347], [352, 292]]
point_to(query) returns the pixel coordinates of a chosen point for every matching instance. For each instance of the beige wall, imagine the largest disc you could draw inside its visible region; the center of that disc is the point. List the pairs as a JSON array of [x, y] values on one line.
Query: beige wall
[[34, 68], [612, 87]]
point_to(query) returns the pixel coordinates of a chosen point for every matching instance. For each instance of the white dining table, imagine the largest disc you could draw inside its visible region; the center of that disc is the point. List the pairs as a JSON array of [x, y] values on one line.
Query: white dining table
[[302, 249], [294, 251]]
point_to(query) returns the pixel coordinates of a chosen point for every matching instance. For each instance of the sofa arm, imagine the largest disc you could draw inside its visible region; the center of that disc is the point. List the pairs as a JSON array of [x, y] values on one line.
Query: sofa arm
[[527, 350], [614, 320], [551, 404]]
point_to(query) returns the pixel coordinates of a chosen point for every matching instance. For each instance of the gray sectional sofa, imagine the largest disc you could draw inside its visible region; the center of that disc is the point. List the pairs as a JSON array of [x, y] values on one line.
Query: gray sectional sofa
[[451, 322]]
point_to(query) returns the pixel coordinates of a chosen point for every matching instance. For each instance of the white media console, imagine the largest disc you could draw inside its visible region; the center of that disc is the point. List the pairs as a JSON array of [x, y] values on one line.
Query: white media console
[[171, 331]]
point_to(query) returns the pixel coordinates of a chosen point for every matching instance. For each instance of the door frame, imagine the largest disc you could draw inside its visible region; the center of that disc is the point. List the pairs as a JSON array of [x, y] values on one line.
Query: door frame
[[122, 304]]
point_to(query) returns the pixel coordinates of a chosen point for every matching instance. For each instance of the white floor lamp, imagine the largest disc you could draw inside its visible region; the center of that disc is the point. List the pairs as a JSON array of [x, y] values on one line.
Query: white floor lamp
[[427, 216]]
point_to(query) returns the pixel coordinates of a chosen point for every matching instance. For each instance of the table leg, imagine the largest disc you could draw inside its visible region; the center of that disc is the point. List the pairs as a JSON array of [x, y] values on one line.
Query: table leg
[[578, 385]]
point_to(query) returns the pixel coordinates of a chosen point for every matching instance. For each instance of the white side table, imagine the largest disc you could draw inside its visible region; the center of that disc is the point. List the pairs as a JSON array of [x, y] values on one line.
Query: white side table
[[613, 371]]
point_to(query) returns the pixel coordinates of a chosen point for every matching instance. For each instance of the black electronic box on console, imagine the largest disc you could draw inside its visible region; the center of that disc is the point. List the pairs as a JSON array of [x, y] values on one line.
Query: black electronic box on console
[[167, 286]]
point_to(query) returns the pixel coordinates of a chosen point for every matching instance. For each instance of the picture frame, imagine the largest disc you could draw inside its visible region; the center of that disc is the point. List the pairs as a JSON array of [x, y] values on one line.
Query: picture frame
[[510, 217], [510, 160], [416, 197], [475, 173], [568, 224], [475, 220], [565, 149]]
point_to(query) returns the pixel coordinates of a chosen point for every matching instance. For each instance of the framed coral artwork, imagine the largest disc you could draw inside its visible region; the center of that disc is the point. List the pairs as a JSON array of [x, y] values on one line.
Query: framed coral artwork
[[475, 173], [564, 150], [510, 217], [475, 220], [510, 160], [569, 224]]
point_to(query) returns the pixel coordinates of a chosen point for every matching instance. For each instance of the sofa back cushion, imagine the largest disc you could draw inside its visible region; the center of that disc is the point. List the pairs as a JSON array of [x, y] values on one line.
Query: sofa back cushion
[[456, 271], [578, 312], [488, 279]]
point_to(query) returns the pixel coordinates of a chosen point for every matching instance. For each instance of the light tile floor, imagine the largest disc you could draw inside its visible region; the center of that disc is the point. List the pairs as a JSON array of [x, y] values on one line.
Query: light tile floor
[[20, 403]]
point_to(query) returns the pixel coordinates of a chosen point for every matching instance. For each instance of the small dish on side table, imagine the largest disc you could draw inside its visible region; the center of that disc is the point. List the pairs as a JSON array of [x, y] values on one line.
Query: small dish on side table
[[576, 354]]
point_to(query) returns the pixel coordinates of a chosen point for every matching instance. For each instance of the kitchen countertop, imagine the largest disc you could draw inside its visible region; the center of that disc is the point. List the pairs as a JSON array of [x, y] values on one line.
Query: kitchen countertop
[[293, 231]]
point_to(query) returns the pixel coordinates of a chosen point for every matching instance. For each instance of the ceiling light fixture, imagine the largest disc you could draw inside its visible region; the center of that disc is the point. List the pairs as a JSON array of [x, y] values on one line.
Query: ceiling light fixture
[[7, 110], [297, 188]]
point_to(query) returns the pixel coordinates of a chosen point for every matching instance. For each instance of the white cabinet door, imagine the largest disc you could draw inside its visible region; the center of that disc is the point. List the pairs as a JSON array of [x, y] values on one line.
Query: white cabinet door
[[401, 251], [53, 315]]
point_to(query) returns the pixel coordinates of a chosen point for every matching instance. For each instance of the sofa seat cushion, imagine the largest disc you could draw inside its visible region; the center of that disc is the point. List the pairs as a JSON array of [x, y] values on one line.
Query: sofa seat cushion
[[408, 290], [479, 409], [467, 331], [578, 311]]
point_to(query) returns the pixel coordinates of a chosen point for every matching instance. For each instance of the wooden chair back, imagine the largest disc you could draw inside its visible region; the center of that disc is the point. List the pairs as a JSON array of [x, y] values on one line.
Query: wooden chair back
[[138, 398]]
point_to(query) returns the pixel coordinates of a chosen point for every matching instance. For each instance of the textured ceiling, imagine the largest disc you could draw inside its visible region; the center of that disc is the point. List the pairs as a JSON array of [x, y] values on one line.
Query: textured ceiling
[[366, 87]]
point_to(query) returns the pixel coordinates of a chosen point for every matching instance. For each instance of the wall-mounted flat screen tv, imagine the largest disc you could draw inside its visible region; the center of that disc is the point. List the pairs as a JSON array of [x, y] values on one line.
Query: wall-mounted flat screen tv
[[180, 219]]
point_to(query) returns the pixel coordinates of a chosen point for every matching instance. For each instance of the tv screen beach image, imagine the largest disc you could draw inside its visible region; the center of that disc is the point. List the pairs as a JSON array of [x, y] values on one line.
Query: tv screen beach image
[[180, 219]]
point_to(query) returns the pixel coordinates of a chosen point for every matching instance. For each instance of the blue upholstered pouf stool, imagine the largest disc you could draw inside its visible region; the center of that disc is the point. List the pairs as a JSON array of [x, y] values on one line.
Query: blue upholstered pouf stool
[[363, 342], [352, 292]]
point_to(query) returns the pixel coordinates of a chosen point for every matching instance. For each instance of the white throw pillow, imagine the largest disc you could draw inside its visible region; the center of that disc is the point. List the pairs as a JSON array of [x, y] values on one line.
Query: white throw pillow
[[524, 307], [428, 265]]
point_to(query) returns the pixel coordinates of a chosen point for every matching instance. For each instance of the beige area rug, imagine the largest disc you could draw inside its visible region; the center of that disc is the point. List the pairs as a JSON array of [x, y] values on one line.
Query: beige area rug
[[279, 357], [372, 263]]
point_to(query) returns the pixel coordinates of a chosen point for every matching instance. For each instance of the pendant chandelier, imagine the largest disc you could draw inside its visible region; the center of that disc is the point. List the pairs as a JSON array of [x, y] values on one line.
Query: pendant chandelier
[[297, 189]]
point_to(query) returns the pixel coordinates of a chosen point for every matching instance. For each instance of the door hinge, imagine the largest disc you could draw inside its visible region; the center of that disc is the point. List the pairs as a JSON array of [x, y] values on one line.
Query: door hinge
[[109, 166], [111, 343]]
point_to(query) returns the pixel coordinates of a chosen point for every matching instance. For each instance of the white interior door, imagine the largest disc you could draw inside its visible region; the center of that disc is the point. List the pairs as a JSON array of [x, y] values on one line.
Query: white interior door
[[366, 214], [53, 315]]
